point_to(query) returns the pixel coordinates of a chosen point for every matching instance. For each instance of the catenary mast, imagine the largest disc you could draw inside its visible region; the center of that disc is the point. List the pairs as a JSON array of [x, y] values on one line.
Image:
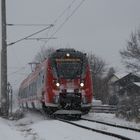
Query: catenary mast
[[4, 96]]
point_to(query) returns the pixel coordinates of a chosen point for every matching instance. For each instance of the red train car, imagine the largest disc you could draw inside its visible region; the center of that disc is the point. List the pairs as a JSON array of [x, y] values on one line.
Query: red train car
[[61, 84]]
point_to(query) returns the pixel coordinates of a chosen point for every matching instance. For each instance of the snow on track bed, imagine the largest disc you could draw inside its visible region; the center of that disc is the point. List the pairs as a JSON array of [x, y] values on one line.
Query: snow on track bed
[[34, 127], [111, 134], [23, 126], [119, 131], [111, 118], [56, 130], [114, 125], [7, 133]]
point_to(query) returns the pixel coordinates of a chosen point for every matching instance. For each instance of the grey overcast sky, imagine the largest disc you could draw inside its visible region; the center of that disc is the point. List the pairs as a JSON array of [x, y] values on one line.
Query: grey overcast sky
[[99, 26]]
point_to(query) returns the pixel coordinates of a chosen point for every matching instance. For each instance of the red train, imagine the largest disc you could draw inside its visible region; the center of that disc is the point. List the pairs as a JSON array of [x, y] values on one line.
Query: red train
[[61, 84]]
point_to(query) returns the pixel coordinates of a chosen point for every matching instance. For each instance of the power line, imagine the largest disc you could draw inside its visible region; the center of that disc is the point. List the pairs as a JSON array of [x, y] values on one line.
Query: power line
[[73, 12], [28, 24], [55, 21], [30, 35], [41, 38], [51, 25], [64, 11]]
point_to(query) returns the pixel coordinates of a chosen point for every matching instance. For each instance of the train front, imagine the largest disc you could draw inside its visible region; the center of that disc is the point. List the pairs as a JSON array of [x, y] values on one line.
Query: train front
[[71, 82]]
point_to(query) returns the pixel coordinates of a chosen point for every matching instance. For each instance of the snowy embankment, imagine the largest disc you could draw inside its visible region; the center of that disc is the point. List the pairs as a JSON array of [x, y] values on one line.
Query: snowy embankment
[[7, 133], [34, 127]]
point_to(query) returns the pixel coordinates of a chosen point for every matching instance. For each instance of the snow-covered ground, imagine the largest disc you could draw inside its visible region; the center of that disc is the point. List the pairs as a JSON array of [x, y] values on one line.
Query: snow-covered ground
[[34, 127], [111, 118], [7, 133]]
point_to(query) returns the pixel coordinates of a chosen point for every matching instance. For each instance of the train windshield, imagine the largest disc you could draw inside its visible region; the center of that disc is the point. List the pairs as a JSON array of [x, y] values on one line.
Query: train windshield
[[68, 68]]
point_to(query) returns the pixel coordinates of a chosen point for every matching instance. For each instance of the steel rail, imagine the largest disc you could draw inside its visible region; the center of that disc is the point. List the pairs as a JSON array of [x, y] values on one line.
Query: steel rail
[[114, 125], [95, 130]]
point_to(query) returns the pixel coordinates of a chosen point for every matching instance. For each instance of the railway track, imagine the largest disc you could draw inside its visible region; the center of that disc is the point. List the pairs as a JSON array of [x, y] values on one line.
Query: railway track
[[114, 125], [103, 109], [122, 137], [80, 124]]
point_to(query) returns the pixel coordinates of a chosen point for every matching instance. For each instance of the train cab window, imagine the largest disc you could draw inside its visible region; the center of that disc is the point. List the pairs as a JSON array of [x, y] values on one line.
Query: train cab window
[[69, 69]]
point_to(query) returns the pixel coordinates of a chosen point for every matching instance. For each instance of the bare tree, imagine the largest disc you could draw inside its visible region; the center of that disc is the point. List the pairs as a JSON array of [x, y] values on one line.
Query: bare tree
[[110, 73], [131, 54], [101, 75], [129, 107], [97, 65], [43, 54], [98, 68], [109, 97]]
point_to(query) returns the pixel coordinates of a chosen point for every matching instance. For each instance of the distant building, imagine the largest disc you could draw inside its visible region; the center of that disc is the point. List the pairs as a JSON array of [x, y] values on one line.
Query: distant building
[[125, 85], [113, 96], [127, 90], [112, 86], [129, 85]]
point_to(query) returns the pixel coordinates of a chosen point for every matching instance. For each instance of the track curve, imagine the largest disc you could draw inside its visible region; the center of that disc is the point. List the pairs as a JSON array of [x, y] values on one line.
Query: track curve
[[114, 125], [95, 130]]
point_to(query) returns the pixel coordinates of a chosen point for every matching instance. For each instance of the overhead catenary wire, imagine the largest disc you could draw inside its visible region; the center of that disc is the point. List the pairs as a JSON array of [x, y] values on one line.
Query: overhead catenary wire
[[51, 25], [30, 35], [62, 13], [28, 24], [56, 20], [66, 20], [48, 27], [40, 38]]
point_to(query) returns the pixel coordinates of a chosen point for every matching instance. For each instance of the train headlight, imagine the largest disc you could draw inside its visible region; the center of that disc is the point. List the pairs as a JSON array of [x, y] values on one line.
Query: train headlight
[[68, 55], [58, 84], [81, 84]]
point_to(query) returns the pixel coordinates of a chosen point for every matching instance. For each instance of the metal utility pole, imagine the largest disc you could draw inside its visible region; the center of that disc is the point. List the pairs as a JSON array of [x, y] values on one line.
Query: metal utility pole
[[4, 96]]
